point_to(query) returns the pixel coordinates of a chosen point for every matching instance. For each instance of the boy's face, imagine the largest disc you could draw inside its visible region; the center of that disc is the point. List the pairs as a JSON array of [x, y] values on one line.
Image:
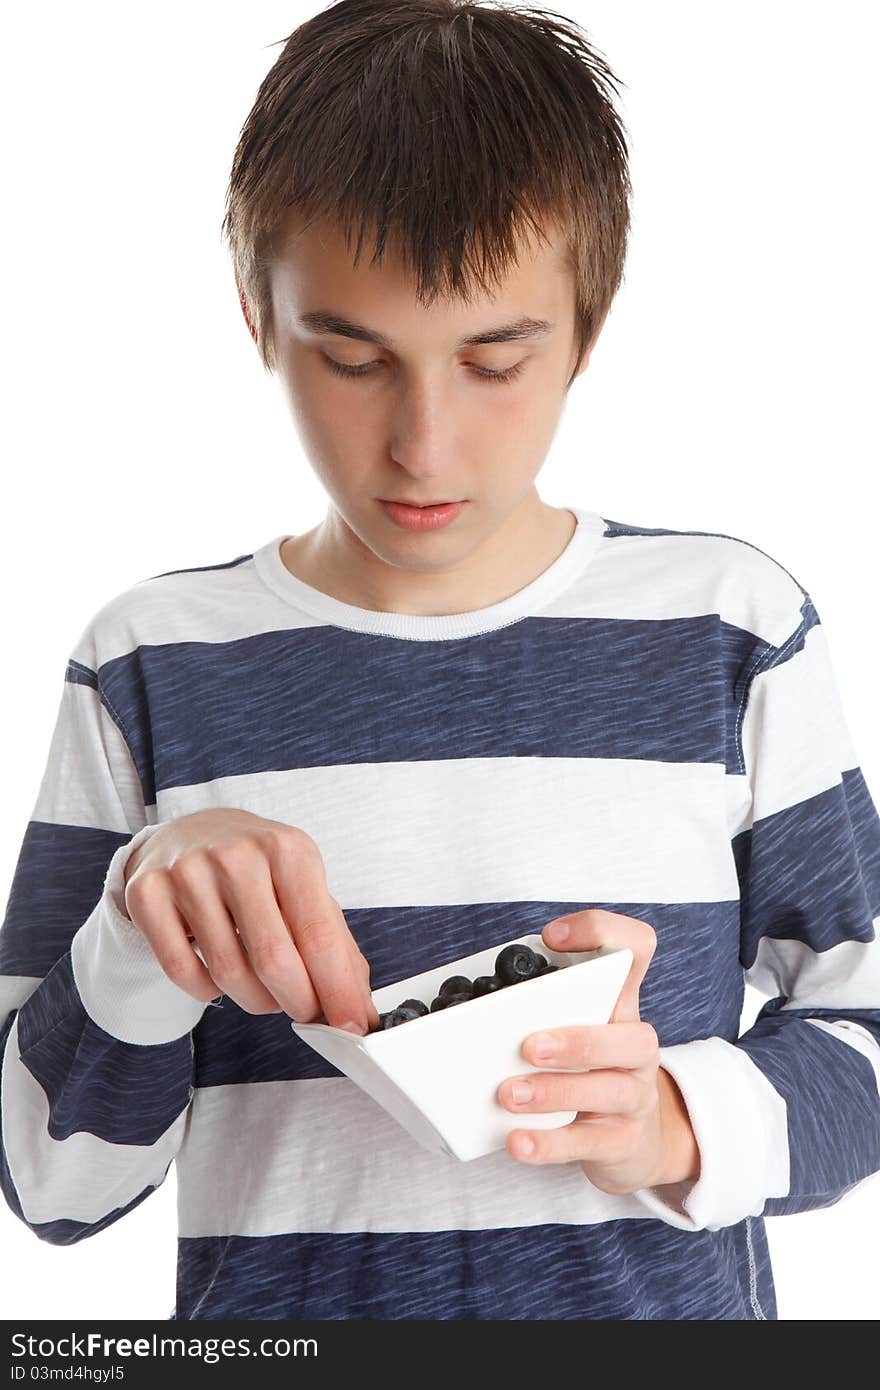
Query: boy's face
[[421, 424]]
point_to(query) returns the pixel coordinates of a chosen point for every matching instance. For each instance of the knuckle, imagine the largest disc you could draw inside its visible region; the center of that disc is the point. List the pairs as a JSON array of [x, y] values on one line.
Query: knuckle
[[291, 838], [226, 967], [628, 1094], [316, 935], [309, 1013], [283, 838], [649, 1039], [308, 847], [626, 1137], [140, 887], [269, 954], [179, 966], [571, 1096], [189, 869], [233, 857]]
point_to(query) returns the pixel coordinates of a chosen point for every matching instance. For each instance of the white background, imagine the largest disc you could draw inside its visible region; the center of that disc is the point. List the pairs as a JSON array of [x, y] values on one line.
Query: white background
[[731, 391]]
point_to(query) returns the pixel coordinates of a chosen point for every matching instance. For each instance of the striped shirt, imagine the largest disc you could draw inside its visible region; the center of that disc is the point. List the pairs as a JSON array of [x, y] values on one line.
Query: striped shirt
[[653, 727]]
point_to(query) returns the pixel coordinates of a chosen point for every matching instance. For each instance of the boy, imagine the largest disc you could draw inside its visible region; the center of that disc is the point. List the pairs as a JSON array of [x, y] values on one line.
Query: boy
[[447, 716]]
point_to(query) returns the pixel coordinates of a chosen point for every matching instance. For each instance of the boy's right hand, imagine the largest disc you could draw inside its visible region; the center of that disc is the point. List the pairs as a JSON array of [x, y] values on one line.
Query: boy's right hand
[[252, 895]]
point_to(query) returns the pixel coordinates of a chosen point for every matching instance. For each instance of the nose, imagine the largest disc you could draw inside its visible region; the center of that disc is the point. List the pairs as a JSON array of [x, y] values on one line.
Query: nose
[[422, 429]]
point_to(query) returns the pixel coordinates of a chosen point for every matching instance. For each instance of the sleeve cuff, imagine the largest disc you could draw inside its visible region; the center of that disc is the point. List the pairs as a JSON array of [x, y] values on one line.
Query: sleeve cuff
[[740, 1122], [122, 986]]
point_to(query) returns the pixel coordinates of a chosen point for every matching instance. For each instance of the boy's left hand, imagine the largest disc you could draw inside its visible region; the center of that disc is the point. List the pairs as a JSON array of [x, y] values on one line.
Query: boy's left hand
[[632, 1128]]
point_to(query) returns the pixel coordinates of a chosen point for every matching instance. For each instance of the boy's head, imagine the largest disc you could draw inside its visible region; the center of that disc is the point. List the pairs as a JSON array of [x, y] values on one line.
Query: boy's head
[[429, 170]]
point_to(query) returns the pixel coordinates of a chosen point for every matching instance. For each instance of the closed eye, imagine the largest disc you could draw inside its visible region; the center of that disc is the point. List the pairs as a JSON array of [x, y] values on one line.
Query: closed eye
[[366, 369]]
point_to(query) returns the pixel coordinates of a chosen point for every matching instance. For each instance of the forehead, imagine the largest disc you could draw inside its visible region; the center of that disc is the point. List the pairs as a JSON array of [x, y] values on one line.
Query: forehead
[[313, 266]]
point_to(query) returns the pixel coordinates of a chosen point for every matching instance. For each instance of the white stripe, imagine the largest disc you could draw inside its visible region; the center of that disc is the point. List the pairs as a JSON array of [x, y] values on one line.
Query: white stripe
[[846, 976], [89, 778], [81, 1178], [14, 990], [320, 1155], [499, 829], [795, 738], [122, 986], [855, 1036], [638, 577], [740, 1123]]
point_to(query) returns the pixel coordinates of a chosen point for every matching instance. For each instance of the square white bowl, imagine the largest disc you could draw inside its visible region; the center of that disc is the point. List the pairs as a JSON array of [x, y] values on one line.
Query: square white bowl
[[438, 1075]]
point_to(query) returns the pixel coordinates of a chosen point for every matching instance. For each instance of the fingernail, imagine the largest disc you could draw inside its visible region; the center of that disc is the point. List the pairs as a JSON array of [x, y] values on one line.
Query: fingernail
[[526, 1145], [521, 1092], [353, 1028], [543, 1046], [557, 932]]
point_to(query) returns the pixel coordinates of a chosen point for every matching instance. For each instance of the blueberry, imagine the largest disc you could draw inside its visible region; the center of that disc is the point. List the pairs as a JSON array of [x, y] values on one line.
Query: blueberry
[[542, 960], [486, 984], [444, 1001], [456, 984], [391, 1019], [547, 969], [516, 963], [413, 1008]]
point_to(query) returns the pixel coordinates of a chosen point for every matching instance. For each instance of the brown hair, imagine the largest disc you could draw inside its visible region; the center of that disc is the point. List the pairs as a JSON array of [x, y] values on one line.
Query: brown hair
[[447, 124]]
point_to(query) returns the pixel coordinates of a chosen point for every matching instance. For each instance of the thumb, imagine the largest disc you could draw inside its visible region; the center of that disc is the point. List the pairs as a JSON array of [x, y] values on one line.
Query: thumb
[[595, 927]]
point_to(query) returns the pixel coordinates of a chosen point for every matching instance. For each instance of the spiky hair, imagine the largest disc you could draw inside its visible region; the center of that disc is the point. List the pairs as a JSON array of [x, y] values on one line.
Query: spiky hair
[[451, 126]]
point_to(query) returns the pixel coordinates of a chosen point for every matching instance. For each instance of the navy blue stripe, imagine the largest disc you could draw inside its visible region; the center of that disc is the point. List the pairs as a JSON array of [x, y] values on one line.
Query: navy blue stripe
[[696, 961], [811, 872], [67, 1232], [796, 640], [59, 878], [64, 1231], [321, 696], [868, 1018], [830, 1091], [90, 1078], [77, 674], [202, 569], [633, 1269]]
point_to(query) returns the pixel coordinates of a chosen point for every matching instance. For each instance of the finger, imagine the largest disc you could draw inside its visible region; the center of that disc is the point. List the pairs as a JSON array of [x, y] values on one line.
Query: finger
[[597, 1045], [223, 914], [359, 963], [151, 907], [588, 1140], [322, 937], [600, 1092], [595, 927]]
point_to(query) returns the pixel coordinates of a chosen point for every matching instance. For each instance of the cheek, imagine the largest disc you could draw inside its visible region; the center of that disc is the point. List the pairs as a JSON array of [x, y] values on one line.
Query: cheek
[[329, 420], [523, 420]]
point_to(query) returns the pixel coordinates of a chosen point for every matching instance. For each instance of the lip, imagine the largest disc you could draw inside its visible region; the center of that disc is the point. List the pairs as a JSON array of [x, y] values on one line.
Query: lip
[[424, 518]]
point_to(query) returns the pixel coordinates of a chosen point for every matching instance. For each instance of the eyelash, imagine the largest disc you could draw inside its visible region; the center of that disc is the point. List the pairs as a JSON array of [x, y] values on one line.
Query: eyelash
[[366, 368]]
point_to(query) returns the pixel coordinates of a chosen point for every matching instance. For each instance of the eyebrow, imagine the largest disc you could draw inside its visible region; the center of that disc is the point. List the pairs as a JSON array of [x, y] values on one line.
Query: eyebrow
[[320, 321]]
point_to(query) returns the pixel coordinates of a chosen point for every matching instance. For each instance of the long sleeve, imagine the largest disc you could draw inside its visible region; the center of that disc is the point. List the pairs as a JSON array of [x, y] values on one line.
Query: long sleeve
[[787, 1117], [95, 1039]]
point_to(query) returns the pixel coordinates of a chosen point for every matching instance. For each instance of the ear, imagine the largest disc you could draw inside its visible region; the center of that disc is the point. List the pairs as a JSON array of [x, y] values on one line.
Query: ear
[[242, 299]]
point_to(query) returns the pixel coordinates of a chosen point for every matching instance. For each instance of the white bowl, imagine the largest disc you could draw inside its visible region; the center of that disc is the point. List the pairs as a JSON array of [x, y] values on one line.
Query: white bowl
[[438, 1075]]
